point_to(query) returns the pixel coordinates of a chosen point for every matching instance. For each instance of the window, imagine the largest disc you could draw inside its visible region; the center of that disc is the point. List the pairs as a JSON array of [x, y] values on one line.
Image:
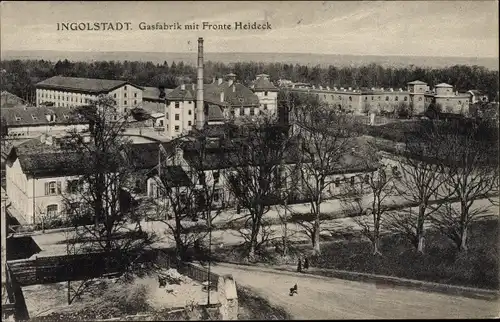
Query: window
[[367, 178], [125, 103], [161, 123], [366, 98], [124, 94], [242, 111], [216, 175], [166, 116], [387, 98], [114, 95], [190, 112], [189, 102], [216, 196], [337, 182], [265, 93], [265, 106], [350, 98], [379, 98], [125, 87], [406, 98], [372, 98], [52, 188], [176, 104], [232, 112], [177, 128], [135, 94], [324, 96], [352, 181], [125, 110], [176, 117], [252, 111], [396, 98], [34, 117], [52, 210], [189, 123], [420, 98]]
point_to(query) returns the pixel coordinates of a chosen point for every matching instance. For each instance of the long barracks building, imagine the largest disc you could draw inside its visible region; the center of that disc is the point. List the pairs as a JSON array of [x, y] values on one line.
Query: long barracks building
[[364, 100]]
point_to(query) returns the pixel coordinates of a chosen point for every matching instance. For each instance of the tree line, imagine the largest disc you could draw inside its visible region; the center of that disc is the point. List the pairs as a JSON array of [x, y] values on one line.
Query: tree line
[[20, 76]]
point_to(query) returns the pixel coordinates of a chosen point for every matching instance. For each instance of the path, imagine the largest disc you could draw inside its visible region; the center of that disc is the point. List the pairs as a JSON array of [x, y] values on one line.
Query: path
[[330, 298]]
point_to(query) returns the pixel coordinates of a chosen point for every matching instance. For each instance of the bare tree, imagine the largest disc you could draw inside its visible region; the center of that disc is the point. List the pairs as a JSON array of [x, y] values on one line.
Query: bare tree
[[254, 174], [370, 213], [470, 156], [100, 190], [419, 176], [188, 182], [326, 135]]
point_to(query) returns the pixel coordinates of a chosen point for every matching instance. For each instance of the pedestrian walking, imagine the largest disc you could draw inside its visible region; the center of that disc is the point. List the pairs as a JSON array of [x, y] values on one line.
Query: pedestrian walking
[[299, 266]]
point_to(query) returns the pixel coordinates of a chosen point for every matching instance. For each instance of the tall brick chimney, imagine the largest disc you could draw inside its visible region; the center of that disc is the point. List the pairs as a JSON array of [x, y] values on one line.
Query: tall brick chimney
[[200, 110]]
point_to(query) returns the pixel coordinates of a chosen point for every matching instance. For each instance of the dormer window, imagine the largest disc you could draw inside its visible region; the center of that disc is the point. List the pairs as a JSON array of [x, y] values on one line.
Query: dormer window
[[18, 118], [66, 116], [34, 117], [265, 93]]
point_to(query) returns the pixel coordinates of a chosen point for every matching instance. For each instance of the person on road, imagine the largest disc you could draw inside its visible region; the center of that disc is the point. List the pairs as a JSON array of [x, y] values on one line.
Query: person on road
[[299, 266], [306, 263]]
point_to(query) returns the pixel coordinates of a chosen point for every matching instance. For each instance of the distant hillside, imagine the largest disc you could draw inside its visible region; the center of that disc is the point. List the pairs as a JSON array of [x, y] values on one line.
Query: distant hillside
[[305, 59]]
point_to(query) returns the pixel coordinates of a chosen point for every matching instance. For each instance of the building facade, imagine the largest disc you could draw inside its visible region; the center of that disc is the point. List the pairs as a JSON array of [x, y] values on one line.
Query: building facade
[[61, 91], [417, 96]]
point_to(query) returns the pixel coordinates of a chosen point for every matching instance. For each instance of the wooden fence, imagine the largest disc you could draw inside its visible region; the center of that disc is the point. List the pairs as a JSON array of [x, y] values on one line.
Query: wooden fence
[[15, 296], [64, 268]]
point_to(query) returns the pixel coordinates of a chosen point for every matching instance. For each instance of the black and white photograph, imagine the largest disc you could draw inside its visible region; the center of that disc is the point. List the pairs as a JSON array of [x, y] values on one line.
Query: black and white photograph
[[249, 160]]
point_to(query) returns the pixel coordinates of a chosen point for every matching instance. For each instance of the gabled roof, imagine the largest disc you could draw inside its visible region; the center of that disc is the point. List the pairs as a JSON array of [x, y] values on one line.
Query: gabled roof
[[417, 82], [476, 92], [263, 84], [33, 116], [443, 85], [85, 85], [8, 99], [174, 176]]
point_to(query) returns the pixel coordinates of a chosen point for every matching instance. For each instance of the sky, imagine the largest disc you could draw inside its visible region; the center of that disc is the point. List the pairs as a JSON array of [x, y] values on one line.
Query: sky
[[415, 28]]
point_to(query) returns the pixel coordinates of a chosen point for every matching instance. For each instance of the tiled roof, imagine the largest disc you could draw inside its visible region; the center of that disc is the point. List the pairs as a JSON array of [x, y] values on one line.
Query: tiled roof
[[215, 113], [443, 85], [32, 116], [240, 96], [8, 99], [86, 85], [417, 82], [263, 84], [146, 155], [153, 93]]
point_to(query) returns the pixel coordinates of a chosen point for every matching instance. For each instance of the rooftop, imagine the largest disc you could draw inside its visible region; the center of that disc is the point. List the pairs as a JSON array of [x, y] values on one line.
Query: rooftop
[[444, 85], [8, 99], [86, 85], [33, 116], [417, 82], [262, 83], [153, 93]]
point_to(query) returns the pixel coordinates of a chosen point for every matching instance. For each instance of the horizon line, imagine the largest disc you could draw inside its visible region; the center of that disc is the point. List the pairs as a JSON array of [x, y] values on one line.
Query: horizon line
[[240, 52]]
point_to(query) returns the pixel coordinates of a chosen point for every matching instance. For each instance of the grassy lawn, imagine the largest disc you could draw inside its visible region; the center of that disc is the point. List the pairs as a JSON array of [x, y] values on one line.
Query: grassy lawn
[[441, 263]]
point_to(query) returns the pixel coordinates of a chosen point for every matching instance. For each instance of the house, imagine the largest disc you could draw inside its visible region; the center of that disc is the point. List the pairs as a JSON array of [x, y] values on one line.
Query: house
[[29, 122], [267, 94], [223, 99], [59, 91]]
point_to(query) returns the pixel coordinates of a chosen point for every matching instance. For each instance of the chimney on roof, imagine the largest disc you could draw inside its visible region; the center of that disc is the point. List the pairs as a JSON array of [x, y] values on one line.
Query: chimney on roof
[[192, 86], [391, 89], [234, 88], [320, 87], [200, 108], [183, 87], [350, 88], [222, 97], [213, 80], [219, 81], [328, 87], [230, 82]]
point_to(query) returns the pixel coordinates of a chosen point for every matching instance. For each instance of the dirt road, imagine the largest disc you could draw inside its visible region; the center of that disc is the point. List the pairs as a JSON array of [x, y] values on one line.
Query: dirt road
[[329, 298]]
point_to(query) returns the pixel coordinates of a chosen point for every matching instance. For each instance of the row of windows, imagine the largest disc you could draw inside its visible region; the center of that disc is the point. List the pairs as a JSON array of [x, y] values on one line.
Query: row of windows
[[124, 95]]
